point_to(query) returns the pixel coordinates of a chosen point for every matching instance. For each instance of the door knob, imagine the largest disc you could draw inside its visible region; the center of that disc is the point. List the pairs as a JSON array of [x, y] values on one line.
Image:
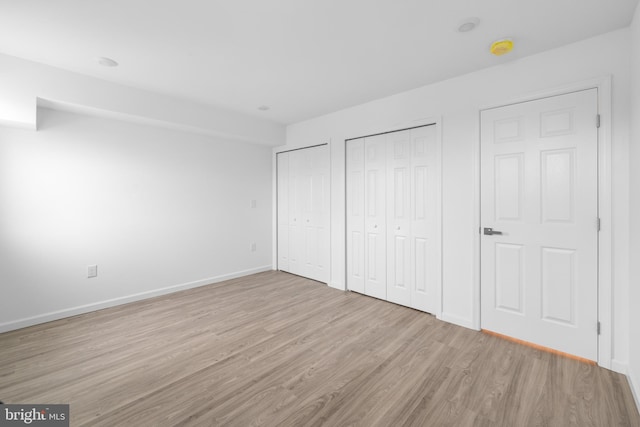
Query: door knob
[[375, 226], [491, 231]]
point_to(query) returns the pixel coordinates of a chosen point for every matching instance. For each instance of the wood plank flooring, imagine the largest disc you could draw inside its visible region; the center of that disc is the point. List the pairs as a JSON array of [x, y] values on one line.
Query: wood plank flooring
[[274, 349]]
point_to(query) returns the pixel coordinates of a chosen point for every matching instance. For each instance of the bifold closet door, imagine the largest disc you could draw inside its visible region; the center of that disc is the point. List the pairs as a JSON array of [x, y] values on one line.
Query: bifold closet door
[[392, 205], [282, 183], [303, 212], [366, 219]]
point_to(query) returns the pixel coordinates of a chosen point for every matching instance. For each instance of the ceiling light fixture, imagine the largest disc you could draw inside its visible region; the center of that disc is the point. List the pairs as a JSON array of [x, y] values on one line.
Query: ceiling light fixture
[[263, 107], [500, 47], [107, 62], [468, 25]]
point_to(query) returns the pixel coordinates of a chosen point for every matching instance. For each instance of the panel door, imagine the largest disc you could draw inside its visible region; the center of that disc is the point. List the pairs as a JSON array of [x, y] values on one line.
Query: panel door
[[375, 263], [298, 183], [424, 200], [399, 276], [355, 215], [282, 160], [539, 189], [316, 213]]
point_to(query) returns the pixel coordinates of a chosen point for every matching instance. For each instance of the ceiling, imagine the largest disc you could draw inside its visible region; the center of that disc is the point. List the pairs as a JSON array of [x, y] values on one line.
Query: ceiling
[[302, 58]]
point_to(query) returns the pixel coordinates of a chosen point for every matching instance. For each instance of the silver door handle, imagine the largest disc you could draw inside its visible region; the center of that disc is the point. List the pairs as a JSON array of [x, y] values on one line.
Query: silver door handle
[[491, 231]]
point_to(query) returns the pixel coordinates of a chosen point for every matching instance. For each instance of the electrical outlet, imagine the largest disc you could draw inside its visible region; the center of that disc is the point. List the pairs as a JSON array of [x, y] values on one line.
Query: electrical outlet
[[253, 247], [92, 271], [254, 204]]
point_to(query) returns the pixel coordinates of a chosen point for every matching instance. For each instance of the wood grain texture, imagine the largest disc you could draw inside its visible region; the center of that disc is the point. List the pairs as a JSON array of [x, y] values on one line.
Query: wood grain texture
[[275, 349]]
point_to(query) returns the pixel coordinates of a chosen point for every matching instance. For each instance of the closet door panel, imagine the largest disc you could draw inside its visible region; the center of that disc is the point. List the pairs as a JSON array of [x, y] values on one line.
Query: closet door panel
[[355, 215], [399, 277], [375, 246], [424, 202], [283, 210], [318, 214], [296, 235]]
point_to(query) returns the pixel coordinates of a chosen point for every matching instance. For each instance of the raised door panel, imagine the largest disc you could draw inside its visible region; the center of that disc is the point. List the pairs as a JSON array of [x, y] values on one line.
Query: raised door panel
[[375, 247]]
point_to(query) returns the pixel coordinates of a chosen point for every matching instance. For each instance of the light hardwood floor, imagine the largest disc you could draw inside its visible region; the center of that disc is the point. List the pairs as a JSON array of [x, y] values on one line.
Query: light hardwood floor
[[279, 350]]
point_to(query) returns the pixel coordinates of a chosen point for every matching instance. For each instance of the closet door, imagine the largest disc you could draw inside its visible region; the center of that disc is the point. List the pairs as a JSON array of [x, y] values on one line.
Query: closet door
[[375, 262], [315, 201], [425, 258], [399, 277], [355, 215], [283, 210], [296, 194], [303, 212], [393, 179]]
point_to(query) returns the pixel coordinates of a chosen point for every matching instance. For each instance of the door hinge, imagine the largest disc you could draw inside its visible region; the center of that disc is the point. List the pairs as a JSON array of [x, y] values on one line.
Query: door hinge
[[598, 120], [598, 328], [598, 223]]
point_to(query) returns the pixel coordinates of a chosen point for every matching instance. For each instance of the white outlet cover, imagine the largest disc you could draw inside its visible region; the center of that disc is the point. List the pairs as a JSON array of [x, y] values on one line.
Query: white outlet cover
[[92, 271]]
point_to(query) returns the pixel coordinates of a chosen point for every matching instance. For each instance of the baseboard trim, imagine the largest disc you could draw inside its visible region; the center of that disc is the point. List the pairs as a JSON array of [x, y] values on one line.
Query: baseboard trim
[[74, 311], [634, 384], [337, 285], [619, 367], [457, 320]]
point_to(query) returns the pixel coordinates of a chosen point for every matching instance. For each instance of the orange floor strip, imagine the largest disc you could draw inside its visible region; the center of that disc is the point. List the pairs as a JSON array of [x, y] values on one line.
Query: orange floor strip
[[539, 347]]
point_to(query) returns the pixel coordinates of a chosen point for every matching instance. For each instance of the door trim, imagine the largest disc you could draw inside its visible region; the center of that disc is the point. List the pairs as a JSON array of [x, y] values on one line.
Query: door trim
[[605, 259]]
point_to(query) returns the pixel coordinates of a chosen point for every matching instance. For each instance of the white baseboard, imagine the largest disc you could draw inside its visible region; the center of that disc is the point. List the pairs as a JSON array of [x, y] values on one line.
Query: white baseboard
[[457, 320], [73, 311], [619, 367], [634, 384], [337, 285]]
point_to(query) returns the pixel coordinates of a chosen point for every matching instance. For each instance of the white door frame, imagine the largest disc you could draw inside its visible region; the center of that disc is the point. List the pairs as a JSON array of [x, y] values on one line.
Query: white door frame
[[605, 259]]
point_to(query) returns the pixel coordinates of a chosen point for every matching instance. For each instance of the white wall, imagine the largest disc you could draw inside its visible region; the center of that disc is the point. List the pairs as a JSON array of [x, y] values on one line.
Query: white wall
[[25, 83], [156, 209], [634, 158], [458, 101]]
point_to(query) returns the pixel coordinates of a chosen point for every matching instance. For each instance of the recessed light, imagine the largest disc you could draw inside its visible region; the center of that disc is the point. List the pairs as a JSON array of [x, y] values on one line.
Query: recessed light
[[468, 25], [263, 107], [107, 62]]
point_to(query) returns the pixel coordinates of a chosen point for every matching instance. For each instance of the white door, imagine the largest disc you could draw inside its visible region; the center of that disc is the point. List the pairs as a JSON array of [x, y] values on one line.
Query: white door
[[296, 193], [315, 212], [303, 212], [283, 210], [393, 203], [425, 242], [355, 215], [539, 191], [375, 262], [399, 281]]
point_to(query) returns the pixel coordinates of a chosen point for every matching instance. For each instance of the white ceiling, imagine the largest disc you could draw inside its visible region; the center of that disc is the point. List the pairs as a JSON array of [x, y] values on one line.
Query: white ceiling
[[303, 58]]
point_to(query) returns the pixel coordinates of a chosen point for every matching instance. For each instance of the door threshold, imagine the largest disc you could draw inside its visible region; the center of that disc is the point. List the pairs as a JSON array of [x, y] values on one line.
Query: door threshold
[[539, 347]]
